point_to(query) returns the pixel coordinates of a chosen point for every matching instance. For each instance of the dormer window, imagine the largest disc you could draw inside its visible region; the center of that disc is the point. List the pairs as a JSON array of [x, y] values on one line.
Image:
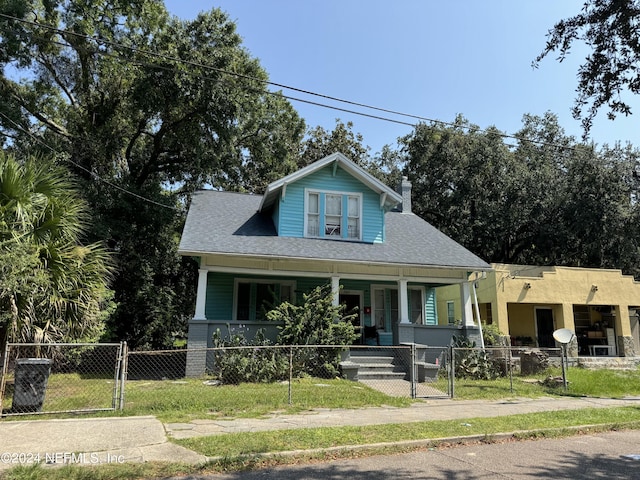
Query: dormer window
[[334, 215]]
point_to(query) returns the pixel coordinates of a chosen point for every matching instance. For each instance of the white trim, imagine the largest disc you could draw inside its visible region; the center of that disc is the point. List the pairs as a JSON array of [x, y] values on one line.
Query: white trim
[[201, 294], [350, 276], [335, 291], [459, 269], [423, 301], [390, 286], [403, 301], [322, 213], [349, 166], [465, 302], [382, 287]]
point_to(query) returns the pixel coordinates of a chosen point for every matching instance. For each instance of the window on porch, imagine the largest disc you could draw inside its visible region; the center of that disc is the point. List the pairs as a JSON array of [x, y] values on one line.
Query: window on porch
[[422, 307], [255, 298]]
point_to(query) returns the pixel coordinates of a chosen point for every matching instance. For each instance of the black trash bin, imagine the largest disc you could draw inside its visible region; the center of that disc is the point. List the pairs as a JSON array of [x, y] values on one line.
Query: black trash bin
[[31, 377]]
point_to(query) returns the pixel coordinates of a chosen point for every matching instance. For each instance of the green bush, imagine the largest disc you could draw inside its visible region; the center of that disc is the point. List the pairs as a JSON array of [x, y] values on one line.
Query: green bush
[[472, 362], [310, 326], [241, 360], [491, 334], [315, 323]]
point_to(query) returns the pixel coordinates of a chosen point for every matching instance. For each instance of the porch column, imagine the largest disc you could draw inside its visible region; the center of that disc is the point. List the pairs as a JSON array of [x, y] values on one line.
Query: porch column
[[335, 291], [465, 301], [403, 301], [201, 297], [567, 319], [197, 341], [623, 331]]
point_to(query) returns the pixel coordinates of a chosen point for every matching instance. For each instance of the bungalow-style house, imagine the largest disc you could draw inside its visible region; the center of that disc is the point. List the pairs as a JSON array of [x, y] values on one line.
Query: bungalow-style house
[[328, 223], [528, 303]]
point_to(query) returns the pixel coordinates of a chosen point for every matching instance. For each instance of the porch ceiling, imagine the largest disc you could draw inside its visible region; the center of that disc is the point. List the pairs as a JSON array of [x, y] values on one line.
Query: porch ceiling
[[316, 268]]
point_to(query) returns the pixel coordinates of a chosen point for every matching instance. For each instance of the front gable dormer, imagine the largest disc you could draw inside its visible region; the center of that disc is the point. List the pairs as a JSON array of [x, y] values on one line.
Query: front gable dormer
[[331, 199]]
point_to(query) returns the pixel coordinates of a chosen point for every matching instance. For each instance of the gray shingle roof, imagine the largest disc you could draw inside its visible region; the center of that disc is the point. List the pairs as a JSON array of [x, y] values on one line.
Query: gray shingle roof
[[229, 223]]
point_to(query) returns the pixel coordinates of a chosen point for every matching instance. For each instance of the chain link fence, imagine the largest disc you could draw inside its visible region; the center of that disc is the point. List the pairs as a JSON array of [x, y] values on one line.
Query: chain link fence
[[63, 377], [406, 371], [414, 371], [88, 377], [505, 370]]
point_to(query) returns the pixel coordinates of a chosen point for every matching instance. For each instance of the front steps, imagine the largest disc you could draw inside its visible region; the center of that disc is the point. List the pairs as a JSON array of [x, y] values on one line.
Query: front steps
[[373, 365]]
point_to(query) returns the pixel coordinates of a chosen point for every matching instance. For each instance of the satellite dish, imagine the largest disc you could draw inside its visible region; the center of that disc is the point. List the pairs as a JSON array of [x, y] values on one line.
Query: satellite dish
[[563, 335]]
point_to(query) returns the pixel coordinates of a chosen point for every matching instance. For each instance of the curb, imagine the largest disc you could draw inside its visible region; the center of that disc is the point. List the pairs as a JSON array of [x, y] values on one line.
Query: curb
[[518, 435]]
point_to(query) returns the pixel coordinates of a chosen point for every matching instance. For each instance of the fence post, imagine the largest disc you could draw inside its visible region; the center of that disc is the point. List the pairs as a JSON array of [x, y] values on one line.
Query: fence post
[[5, 366], [452, 372], [290, 373], [116, 379], [510, 370], [123, 373], [414, 368]]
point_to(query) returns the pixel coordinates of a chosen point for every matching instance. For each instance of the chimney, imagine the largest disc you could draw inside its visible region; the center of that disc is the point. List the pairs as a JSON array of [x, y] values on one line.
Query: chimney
[[405, 191]]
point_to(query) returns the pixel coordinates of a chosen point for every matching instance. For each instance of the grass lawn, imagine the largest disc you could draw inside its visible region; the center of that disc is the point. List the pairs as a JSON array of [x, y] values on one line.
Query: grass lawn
[[247, 443], [189, 399], [184, 400], [239, 451]]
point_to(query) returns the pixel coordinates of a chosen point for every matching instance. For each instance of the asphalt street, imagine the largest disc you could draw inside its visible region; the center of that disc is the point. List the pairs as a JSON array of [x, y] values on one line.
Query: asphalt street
[[613, 455]]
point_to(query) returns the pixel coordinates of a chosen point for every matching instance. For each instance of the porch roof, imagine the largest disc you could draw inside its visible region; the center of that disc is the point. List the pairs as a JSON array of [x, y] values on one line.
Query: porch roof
[[229, 223]]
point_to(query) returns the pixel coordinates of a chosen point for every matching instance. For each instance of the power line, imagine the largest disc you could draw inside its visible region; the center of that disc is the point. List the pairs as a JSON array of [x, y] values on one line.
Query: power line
[[288, 87], [77, 165]]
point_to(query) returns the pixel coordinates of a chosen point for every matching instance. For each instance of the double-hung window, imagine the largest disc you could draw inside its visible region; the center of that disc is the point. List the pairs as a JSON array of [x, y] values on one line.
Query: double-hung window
[[333, 215]]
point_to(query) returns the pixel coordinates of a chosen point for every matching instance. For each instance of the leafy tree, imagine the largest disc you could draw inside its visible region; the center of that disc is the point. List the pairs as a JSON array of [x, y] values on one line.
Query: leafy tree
[[547, 200], [465, 182], [598, 211], [320, 143], [52, 287], [148, 103], [610, 28]]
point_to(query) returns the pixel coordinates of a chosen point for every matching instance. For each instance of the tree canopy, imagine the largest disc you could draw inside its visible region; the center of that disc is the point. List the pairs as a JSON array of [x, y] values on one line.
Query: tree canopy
[[545, 199], [610, 29], [134, 100], [52, 286]]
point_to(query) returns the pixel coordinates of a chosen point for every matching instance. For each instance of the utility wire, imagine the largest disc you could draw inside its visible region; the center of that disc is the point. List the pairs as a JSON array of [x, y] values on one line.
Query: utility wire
[[288, 87], [77, 165]]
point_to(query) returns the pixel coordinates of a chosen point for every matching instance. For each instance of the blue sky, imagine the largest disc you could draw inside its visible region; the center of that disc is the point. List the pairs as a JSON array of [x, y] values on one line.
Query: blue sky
[[433, 59]]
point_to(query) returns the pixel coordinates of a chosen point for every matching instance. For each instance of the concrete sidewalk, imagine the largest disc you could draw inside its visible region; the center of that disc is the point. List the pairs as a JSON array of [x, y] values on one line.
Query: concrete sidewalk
[[141, 439]]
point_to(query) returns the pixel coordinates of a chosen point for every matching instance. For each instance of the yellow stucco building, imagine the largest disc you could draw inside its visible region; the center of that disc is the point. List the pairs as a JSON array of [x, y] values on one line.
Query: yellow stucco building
[[528, 303]]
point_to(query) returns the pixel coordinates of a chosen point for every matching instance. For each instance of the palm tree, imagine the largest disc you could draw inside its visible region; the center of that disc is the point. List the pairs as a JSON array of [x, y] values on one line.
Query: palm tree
[[52, 288]]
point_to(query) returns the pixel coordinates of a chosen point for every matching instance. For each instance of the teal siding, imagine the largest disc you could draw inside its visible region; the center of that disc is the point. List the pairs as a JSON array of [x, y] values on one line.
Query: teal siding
[[290, 219], [220, 295], [306, 284], [219, 304], [431, 316]]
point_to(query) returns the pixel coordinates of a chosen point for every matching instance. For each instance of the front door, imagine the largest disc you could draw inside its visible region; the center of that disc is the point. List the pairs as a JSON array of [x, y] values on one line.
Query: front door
[[352, 301], [544, 327]]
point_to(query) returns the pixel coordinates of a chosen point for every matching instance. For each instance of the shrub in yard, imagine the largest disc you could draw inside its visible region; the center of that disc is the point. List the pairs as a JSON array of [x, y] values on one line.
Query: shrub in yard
[[491, 334], [241, 360], [472, 362], [316, 322]]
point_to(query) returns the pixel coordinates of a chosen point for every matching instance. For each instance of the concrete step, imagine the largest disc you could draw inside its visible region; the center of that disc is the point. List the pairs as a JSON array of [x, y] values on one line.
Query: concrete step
[[380, 375], [361, 360]]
